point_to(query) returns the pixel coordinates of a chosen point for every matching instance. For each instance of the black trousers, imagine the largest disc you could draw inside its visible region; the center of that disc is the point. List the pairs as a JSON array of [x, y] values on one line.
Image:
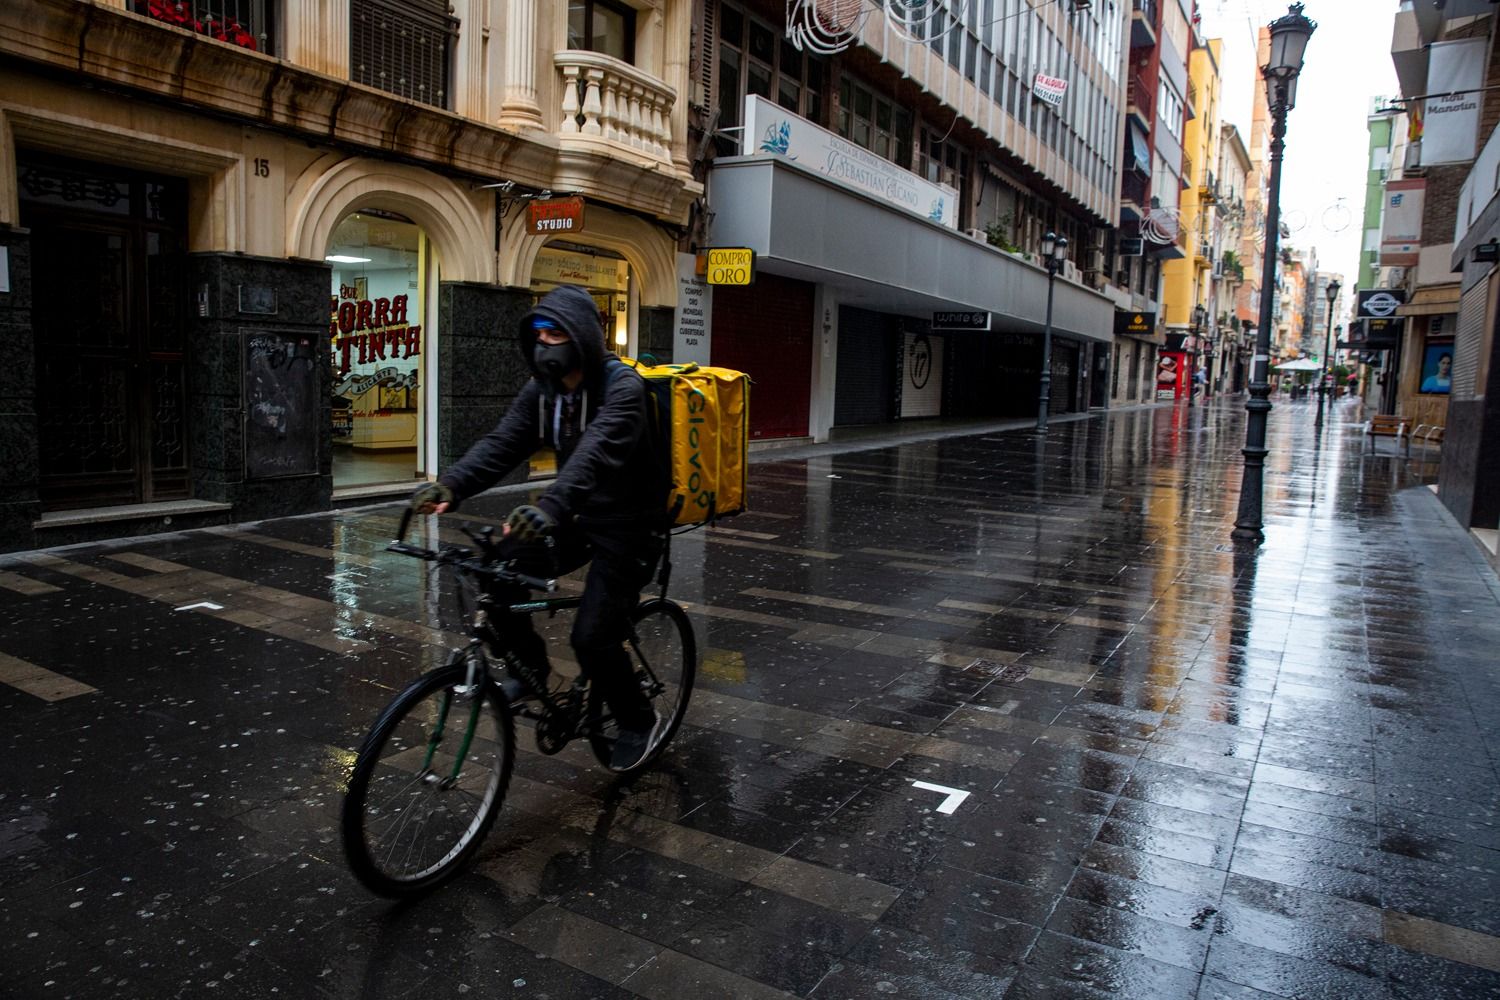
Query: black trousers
[[621, 561]]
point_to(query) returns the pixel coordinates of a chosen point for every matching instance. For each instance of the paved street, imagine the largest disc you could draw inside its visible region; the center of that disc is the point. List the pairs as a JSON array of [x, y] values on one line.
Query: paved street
[[1189, 773]]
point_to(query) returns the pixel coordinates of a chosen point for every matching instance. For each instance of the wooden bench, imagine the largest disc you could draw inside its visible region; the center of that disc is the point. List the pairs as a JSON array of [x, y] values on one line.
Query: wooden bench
[[1428, 434], [1387, 425]]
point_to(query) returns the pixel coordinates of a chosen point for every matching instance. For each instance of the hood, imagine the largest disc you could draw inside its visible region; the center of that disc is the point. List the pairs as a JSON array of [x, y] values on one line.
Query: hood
[[572, 308]]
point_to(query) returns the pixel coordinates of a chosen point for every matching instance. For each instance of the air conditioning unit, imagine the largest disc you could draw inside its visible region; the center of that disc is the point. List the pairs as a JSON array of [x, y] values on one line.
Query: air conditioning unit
[[1070, 270], [1094, 261], [948, 176], [977, 234]]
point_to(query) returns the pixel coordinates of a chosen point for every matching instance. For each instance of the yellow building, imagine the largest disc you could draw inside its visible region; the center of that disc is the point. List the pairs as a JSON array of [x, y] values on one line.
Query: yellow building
[[1187, 281]]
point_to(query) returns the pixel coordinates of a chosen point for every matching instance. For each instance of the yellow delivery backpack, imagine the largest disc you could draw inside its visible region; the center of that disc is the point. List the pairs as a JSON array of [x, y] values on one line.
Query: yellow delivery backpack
[[702, 420]]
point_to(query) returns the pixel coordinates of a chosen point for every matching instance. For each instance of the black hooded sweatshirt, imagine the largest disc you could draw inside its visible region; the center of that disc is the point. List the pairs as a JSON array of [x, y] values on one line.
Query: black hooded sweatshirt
[[606, 472]]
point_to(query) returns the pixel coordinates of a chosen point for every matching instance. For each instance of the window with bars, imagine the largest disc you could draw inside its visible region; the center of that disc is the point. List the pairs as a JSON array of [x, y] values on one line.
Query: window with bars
[[246, 23], [405, 49]]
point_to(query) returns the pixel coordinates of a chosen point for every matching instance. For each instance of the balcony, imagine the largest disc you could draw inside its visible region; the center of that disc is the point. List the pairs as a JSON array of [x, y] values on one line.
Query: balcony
[[1187, 171], [245, 23], [1143, 21], [1191, 105], [608, 103], [1140, 101], [404, 49], [1208, 190]]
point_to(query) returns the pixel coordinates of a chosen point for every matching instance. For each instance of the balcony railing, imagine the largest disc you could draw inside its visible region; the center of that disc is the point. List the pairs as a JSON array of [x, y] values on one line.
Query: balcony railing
[[1187, 170], [1143, 24], [239, 22], [402, 48], [1142, 96], [606, 98]]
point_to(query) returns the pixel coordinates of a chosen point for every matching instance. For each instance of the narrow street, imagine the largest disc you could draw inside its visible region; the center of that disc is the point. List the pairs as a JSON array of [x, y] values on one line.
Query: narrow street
[[1188, 772]]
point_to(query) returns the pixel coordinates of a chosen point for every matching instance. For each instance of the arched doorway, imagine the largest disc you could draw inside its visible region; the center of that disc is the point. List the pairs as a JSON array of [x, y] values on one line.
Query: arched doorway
[[384, 272]]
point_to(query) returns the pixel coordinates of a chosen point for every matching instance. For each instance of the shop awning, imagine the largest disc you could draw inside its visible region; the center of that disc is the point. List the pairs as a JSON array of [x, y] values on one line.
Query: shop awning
[[1140, 148], [1432, 301], [872, 254]]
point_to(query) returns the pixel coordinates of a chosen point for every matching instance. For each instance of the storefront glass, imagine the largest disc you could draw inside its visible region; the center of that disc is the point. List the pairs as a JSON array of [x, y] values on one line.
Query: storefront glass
[[605, 275], [376, 336]]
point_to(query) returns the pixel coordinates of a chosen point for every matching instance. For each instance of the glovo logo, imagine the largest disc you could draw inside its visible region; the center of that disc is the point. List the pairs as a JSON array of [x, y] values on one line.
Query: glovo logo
[[697, 488]]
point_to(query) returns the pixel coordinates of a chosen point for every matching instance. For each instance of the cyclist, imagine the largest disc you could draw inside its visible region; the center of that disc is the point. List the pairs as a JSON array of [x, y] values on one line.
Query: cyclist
[[606, 507]]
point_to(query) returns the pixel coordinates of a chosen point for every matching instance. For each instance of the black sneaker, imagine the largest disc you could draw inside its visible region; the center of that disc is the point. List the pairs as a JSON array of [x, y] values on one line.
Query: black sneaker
[[631, 746]]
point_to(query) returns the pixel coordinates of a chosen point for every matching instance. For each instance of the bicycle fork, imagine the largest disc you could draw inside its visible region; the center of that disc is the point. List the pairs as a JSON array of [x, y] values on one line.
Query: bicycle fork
[[471, 691]]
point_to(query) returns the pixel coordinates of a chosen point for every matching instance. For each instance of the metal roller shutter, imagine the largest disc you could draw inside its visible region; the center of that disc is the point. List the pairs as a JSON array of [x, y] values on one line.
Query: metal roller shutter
[[867, 368]]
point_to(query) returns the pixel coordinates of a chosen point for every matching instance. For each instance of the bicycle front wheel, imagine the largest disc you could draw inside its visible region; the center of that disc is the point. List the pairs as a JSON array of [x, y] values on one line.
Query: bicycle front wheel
[[428, 783], [664, 654]]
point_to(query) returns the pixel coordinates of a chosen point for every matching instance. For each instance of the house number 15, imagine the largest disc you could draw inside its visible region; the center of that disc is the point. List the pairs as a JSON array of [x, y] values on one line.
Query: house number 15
[[262, 168]]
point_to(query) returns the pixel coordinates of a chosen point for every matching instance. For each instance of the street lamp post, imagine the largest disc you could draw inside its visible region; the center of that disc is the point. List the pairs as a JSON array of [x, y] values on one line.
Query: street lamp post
[[1333, 293], [1289, 36], [1054, 252], [1198, 313]]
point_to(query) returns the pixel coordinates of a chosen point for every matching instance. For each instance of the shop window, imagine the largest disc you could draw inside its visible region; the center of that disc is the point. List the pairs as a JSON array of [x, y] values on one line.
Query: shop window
[[377, 341], [246, 23], [605, 275], [603, 27], [403, 48]]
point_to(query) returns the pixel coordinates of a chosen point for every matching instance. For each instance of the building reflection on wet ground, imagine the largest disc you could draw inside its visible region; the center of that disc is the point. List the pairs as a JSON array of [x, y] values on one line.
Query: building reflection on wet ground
[[1191, 771]]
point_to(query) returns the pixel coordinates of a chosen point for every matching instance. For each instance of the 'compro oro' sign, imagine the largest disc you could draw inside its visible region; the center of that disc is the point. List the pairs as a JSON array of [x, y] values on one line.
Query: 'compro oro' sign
[[729, 265]]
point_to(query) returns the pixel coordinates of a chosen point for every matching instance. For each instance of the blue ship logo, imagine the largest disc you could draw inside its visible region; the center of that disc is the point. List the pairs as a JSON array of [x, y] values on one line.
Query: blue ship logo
[[936, 215], [778, 139]]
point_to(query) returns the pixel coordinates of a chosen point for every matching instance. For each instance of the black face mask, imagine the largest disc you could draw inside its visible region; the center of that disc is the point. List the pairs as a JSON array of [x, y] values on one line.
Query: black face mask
[[554, 361]]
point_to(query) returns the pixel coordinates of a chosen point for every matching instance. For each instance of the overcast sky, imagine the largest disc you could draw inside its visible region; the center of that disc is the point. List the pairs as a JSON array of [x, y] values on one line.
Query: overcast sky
[[1348, 62]]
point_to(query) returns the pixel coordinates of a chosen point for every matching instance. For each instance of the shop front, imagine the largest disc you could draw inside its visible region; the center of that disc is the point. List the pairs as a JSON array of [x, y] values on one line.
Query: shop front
[[872, 274], [376, 334]]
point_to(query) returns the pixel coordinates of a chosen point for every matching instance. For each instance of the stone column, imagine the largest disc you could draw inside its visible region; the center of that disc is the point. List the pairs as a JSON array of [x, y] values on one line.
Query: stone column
[[519, 108], [317, 35]]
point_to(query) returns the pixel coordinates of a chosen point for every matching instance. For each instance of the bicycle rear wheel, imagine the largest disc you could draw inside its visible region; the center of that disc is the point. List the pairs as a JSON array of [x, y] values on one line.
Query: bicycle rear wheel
[[664, 653], [416, 813]]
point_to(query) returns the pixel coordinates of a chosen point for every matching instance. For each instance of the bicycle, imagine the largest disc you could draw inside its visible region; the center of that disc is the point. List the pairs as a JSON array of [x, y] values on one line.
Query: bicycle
[[433, 771]]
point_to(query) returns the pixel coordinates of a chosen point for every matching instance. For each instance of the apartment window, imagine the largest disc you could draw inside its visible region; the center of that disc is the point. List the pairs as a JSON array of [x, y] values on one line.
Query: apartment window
[[945, 162], [403, 48], [1169, 108], [603, 27], [754, 60], [873, 121]]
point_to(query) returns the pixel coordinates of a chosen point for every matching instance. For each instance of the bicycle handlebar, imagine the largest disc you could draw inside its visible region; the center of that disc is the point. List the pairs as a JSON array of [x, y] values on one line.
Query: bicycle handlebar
[[464, 558]]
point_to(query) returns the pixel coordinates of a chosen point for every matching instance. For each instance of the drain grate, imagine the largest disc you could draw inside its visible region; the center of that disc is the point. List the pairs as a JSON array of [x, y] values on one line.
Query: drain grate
[[1004, 673]]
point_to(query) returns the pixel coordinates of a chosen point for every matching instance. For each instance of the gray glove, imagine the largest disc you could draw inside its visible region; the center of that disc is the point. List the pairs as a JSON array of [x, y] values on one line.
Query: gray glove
[[429, 495], [529, 524]]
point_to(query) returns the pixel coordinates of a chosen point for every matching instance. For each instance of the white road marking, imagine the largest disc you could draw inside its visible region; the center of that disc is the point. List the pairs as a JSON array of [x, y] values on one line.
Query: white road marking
[[951, 803], [210, 605]]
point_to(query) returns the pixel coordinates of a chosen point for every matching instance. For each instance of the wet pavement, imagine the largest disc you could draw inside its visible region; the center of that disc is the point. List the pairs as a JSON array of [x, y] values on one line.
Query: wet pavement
[[1189, 772]]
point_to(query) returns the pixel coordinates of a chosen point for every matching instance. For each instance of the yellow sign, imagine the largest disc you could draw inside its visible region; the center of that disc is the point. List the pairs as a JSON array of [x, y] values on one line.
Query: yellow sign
[[729, 265]]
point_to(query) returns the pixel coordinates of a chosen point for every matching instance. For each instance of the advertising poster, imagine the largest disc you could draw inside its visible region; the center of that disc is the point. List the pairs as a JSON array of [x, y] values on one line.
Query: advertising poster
[[1450, 124], [1401, 222], [692, 340], [1170, 374]]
